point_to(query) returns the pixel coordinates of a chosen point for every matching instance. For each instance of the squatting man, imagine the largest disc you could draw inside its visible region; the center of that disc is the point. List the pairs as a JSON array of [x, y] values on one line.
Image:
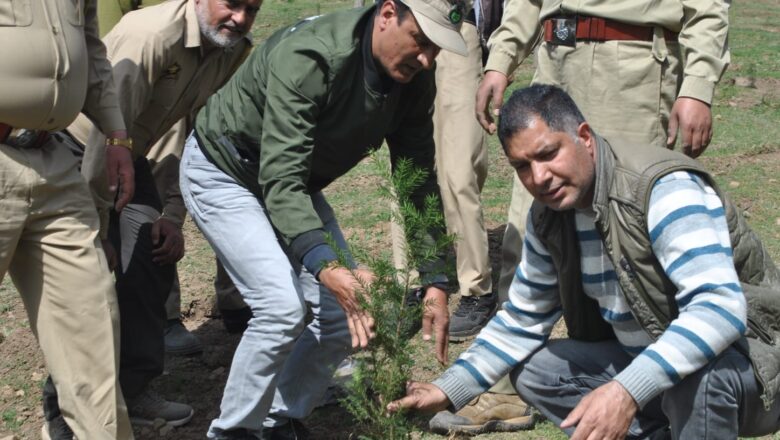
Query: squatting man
[[663, 287]]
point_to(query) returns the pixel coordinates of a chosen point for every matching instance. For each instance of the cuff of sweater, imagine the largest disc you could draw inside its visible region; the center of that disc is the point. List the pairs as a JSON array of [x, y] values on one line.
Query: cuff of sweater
[[639, 383], [318, 257], [697, 88], [456, 389]]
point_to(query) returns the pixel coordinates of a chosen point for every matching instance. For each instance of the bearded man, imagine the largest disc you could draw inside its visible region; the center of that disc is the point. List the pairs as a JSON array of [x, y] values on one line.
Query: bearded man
[[167, 60]]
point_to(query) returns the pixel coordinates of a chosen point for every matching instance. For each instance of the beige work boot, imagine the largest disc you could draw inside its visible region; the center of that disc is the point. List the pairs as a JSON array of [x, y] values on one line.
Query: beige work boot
[[488, 412]]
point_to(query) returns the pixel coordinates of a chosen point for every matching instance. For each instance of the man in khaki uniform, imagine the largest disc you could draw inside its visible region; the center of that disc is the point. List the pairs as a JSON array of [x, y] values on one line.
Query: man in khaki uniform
[[653, 70], [163, 157], [461, 168], [637, 72], [167, 60], [49, 238]]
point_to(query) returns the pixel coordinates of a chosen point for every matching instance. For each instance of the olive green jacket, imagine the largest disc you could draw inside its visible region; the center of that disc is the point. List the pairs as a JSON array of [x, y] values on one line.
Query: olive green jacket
[[624, 180], [307, 106]]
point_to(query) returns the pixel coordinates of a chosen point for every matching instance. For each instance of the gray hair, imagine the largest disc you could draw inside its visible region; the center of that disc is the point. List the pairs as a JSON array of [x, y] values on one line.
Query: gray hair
[[551, 104]]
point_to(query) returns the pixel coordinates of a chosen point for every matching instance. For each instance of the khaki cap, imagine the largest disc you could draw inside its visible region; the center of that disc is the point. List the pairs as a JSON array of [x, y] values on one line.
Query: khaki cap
[[440, 21]]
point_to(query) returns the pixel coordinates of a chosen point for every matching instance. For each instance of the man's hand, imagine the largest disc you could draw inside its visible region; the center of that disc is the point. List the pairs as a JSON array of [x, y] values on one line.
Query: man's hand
[[694, 120], [491, 90], [121, 174], [111, 257], [436, 320], [423, 397], [605, 413], [168, 242], [344, 286]]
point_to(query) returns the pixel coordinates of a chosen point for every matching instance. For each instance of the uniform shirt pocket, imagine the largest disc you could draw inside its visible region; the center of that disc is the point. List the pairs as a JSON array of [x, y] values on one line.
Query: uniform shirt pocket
[[15, 13]]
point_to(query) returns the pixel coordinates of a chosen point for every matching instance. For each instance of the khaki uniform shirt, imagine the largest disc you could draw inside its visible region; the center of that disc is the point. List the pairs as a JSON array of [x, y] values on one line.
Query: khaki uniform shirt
[[164, 72], [702, 24], [111, 11], [54, 66]]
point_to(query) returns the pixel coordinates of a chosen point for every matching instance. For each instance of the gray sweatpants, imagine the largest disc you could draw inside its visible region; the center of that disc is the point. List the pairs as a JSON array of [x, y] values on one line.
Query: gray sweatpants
[[720, 401]]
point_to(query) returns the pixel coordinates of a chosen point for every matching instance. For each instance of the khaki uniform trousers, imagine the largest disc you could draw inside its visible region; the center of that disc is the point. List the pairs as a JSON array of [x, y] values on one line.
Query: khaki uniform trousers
[[461, 165], [164, 157], [49, 245], [625, 90], [462, 161]]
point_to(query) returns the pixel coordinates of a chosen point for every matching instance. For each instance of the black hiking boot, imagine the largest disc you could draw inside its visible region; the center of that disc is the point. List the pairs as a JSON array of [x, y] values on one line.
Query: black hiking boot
[[472, 314], [56, 429]]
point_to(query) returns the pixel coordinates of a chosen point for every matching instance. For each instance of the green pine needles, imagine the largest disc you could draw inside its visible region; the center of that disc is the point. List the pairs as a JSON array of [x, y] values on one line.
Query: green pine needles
[[396, 305]]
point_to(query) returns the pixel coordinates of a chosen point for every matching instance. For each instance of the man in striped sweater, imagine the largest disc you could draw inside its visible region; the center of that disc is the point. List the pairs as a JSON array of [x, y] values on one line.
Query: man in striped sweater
[[633, 247]]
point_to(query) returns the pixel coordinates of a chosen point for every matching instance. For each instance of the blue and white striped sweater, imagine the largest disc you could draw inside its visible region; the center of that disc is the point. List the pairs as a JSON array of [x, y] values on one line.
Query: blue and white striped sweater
[[690, 238]]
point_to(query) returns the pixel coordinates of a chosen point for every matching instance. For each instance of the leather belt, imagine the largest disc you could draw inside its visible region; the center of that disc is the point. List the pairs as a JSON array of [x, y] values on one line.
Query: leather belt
[[22, 138], [604, 29]]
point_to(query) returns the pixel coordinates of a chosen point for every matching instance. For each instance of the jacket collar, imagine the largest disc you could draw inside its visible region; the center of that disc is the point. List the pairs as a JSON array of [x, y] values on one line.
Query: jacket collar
[[192, 37], [605, 165]]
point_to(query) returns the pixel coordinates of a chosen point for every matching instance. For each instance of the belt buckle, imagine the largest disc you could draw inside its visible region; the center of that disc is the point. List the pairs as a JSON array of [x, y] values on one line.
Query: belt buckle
[[23, 138], [564, 32]]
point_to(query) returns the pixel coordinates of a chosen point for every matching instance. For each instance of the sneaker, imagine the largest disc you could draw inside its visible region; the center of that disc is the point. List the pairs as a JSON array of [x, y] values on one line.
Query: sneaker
[[488, 412], [236, 321], [292, 430], [148, 406], [179, 341], [56, 429], [472, 314]]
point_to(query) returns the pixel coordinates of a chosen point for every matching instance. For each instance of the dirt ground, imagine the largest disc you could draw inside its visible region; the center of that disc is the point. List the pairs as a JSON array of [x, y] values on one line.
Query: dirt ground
[[197, 380]]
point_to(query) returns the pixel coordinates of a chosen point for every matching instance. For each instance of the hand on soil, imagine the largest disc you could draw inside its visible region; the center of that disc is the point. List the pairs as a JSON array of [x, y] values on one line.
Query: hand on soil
[[420, 396]]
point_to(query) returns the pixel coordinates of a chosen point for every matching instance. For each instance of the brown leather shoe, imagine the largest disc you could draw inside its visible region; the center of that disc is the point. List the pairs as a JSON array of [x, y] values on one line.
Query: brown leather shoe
[[488, 412]]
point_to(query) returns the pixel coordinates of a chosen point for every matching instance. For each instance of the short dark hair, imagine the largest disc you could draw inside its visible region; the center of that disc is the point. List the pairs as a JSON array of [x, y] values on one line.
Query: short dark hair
[[554, 106], [400, 6]]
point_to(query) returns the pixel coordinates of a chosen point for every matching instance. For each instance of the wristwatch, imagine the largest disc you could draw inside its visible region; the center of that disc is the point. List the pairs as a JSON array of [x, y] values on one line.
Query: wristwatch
[[127, 142]]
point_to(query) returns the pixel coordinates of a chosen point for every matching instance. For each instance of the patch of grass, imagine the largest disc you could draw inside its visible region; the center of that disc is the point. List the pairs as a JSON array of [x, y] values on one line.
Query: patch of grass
[[10, 421]]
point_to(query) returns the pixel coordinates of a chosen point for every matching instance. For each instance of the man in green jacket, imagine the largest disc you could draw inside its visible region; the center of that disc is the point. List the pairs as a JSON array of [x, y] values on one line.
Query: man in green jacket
[[672, 329], [305, 108]]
